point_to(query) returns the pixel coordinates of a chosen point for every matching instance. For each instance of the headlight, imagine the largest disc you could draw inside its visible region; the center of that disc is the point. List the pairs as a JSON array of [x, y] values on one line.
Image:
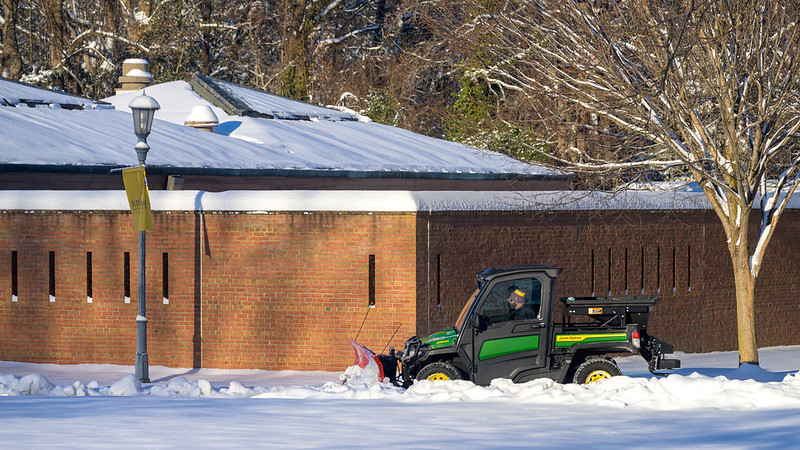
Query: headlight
[[412, 349]]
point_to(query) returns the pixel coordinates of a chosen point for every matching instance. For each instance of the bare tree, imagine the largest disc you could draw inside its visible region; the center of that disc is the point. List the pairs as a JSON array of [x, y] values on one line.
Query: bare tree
[[11, 61], [75, 46], [374, 51], [708, 86]]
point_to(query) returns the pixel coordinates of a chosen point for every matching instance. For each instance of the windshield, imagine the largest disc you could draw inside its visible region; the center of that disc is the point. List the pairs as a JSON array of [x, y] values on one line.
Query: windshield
[[462, 316]]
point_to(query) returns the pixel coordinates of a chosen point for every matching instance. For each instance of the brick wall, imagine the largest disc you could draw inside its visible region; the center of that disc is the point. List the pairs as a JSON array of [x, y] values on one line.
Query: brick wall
[[35, 329], [287, 290], [680, 257], [269, 291]]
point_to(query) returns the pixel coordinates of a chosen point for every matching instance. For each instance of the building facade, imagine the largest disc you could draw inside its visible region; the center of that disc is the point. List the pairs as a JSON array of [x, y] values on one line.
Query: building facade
[[272, 289]]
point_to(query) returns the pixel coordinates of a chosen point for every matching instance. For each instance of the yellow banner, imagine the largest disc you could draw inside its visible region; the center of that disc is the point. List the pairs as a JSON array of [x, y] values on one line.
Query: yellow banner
[[138, 197]]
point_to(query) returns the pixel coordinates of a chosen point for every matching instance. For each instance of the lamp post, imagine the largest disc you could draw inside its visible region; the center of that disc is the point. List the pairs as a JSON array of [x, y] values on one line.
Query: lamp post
[[143, 108]]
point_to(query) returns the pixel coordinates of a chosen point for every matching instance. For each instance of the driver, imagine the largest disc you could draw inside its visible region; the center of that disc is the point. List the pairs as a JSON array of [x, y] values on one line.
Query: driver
[[519, 310]]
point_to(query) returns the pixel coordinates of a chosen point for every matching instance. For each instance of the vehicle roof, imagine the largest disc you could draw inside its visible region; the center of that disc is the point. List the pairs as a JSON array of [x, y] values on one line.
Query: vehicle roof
[[488, 274]]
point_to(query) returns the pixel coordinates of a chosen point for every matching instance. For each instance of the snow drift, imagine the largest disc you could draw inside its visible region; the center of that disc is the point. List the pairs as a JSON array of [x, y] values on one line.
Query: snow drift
[[740, 389]]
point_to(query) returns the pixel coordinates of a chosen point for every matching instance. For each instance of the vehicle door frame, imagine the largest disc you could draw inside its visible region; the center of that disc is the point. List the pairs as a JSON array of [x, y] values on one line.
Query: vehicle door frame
[[477, 332]]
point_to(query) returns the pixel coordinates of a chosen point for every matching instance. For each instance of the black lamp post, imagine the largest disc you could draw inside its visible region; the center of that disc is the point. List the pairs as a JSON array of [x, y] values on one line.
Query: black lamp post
[[143, 108]]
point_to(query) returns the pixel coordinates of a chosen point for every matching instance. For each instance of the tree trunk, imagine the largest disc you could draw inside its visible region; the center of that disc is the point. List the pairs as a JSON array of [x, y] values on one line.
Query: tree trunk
[[206, 8], [110, 22], [745, 284], [56, 30], [294, 52], [11, 62]]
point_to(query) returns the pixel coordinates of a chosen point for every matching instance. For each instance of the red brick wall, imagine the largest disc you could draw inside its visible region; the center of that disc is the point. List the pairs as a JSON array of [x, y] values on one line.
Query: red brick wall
[[269, 291], [70, 329], [287, 290], [685, 262]]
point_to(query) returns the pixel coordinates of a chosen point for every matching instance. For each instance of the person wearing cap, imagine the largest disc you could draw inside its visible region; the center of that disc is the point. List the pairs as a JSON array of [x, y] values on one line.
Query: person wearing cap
[[519, 310]]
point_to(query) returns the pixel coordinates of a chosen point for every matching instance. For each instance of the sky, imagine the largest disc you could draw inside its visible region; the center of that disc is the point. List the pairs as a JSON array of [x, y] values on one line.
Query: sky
[[708, 403]]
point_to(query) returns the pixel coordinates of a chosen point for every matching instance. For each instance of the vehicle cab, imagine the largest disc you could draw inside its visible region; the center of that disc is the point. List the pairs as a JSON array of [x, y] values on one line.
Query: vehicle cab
[[489, 340]]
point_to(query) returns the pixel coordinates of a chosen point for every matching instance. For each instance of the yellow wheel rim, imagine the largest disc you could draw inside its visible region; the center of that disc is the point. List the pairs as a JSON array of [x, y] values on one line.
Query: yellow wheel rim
[[596, 376], [438, 376]]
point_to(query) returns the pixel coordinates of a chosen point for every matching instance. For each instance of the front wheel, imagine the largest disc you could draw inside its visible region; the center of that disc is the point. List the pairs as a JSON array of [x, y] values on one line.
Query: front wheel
[[439, 371], [595, 369]]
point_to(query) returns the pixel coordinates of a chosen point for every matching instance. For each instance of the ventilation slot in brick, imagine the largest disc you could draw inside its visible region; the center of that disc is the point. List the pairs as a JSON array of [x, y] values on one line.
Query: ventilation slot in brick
[[126, 277], [88, 277], [658, 269], [14, 277], [609, 272], [165, 278], [52, 276], [438, 280], [674, 269], [641, 261], [689, 268], [371, 281], [625, 282], [591, 274]]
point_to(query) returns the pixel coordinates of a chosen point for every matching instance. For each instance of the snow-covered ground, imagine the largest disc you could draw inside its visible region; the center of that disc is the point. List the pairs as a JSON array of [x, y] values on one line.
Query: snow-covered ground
[[709, 403]]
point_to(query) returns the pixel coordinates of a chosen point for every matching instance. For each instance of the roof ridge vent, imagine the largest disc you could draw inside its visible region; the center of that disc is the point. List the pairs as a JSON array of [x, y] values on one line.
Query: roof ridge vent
[[202, 117]]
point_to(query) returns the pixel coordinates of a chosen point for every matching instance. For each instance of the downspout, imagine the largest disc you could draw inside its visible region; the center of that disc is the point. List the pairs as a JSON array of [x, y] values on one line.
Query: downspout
[[428, 263]]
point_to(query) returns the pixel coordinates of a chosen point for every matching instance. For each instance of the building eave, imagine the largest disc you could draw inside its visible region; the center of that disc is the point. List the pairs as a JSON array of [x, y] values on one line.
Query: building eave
[[277, 172]]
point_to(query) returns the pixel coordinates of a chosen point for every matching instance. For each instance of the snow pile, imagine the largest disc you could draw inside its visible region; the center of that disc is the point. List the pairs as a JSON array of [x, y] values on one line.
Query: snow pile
[[355, 383], [38, 385], [675, 392], [127, 385], [33, 384], [332, 390], [738, 390], [356, 375], [706, 404]]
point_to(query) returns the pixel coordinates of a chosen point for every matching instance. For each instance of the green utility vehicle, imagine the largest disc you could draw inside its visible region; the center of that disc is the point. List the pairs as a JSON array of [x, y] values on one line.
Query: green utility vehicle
[[488, 341]]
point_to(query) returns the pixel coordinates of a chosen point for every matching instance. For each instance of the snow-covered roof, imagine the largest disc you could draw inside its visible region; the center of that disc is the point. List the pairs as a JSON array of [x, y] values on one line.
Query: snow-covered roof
[[13, 93], [242, 101], [303, 136], [51, 129], [48, 136]]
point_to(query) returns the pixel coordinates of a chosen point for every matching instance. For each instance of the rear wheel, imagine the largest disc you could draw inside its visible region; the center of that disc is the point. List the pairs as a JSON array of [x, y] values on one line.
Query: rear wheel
[[595, 369], [439, 371]]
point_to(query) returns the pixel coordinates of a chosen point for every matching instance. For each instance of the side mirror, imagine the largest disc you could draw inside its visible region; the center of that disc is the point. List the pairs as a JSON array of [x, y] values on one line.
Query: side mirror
[[479, 322]]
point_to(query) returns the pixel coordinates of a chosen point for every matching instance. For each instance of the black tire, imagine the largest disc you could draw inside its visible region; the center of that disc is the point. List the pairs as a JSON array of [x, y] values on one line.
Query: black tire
[[595, 369], [439, 371]]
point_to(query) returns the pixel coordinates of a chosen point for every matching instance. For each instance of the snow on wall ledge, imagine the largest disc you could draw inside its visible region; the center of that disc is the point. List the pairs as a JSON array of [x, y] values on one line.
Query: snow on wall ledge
[[357, 201]]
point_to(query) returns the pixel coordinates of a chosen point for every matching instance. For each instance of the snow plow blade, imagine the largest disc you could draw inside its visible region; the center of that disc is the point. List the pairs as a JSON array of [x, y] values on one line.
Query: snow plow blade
[[365, 357]]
